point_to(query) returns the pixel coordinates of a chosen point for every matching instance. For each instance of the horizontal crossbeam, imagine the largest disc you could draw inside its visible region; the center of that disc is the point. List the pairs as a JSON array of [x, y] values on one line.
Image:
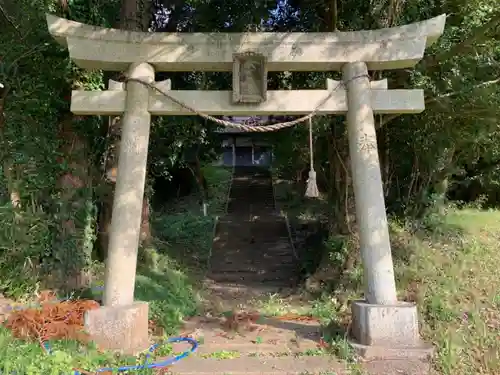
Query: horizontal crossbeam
[[281, 102], [111, 49]]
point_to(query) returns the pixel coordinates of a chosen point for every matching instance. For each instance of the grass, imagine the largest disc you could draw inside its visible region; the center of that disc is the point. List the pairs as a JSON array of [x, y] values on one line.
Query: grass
[[453, 276], [448, 265], [168, 278], [28, 358]]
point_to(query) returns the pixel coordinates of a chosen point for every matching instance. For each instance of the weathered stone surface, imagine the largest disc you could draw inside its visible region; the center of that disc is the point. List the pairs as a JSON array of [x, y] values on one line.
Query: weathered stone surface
[[385, 324], [266, 335], [128, 200], [371, 217], [279, 102], [259, 365], [110, 49], [120, 328], [387, 331], [397, 367]]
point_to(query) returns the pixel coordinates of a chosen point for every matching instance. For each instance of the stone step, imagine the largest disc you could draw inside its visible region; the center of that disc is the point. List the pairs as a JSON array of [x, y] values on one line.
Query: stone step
[[261, 206], [268, 224], [256, 199], [259, 249], [259, 269], [269, 228], [264, 192], [245, 212], [230, 271], [246, 365], [255, 252], [235, 288], [248, 238], [252, 179], [252, 258], [283, 279], [245, 187], [259, 243], [235, 261], [248, 276], [258, 253], [251, 211], [270, 216], [249, 270], [248, 215], [262, 186]]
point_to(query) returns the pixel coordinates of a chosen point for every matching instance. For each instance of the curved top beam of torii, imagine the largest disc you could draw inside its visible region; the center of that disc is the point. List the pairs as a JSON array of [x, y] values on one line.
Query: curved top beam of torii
[[94, 47]]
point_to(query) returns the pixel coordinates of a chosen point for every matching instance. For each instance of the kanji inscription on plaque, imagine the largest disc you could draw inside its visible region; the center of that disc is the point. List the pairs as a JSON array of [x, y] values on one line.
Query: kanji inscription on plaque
[[249, 78]]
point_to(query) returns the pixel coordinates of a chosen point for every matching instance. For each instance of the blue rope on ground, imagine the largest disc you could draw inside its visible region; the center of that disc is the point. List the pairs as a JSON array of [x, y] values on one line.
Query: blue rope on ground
[[164, 363]]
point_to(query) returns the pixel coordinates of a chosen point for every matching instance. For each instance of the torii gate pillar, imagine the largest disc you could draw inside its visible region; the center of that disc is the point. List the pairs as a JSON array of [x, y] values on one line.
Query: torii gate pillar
[[123, 323], [370, 203], [381, 325], [129, 192]]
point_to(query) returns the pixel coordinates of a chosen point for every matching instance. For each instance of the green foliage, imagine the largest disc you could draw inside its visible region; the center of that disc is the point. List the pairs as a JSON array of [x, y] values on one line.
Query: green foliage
[[170, 294], [189, 233], [38, 223], [24, 237], [29, 358], [424, 154]]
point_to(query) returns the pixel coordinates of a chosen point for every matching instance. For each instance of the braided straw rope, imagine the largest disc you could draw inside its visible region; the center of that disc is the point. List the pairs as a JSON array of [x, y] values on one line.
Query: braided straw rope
[[246, 128]]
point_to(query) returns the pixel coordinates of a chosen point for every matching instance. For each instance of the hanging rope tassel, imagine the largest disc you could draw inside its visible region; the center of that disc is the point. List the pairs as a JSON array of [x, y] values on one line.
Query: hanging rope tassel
[[312, 187]]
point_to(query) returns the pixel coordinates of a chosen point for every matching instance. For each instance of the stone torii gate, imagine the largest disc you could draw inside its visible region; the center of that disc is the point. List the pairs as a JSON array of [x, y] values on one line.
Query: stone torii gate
[[380, 322]]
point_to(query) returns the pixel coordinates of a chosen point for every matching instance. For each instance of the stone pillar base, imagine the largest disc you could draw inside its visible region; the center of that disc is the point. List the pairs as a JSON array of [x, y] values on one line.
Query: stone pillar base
[[119, 328], [387, 331]]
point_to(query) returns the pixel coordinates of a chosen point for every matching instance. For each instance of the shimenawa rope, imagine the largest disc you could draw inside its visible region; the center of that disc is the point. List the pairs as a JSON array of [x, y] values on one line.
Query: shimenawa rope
[[246, 128]]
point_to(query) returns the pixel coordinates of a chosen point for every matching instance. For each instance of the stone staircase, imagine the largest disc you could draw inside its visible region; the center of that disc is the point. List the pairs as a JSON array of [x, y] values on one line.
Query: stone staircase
[[252, 246], [252, 255], [251, 194]]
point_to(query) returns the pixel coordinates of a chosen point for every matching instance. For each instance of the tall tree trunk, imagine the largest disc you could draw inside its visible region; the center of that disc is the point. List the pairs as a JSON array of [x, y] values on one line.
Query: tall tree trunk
[[338, 157], [74, 240], [202, 182]]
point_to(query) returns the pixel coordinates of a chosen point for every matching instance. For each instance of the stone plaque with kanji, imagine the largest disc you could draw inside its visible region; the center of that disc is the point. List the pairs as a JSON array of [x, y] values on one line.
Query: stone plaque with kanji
[[249, 78]]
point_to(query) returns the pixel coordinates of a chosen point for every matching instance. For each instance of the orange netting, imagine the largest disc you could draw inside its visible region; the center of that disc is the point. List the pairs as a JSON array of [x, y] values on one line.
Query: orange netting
[[52, 320]]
